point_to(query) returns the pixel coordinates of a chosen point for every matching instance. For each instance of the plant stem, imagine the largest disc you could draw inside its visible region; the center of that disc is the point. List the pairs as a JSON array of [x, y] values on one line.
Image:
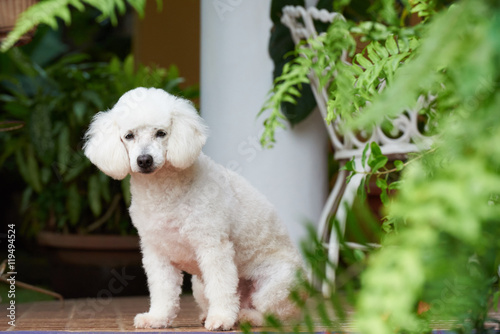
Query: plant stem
[[26, 285], [392, 170], [99, 222]]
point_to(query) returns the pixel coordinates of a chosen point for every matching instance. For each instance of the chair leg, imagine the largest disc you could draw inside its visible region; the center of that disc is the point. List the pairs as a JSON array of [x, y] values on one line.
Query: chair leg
[[332, 205], [346, 200], [329, 209]]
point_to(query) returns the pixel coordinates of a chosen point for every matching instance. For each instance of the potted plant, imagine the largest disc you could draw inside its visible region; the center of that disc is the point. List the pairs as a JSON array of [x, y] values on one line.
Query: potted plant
[[68, 203]]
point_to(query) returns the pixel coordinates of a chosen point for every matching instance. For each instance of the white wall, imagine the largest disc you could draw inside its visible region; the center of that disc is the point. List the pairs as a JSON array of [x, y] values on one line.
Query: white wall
[[236, 74]]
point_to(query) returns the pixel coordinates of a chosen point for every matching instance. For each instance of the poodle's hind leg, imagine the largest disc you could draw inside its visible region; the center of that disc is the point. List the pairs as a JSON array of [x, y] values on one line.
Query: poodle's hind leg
[[251, 316], [199, 296], [248, 314], [272, 290]]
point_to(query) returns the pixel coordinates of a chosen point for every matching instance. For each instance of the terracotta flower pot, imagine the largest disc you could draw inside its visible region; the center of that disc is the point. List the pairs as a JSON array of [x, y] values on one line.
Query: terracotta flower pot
[[9, 12]]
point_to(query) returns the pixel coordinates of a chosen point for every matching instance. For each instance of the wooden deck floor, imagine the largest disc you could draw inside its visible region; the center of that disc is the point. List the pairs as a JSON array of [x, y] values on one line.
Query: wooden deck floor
[[95, 315], [98, 315], [117, 314]]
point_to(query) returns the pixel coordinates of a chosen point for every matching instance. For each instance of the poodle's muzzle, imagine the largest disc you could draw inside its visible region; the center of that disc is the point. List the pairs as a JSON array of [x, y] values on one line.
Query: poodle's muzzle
[[145, 163]]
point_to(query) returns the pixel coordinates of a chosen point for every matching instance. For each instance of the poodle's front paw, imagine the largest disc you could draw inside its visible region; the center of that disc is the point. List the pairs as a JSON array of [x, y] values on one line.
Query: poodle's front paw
[[148, 320], [219, 322]]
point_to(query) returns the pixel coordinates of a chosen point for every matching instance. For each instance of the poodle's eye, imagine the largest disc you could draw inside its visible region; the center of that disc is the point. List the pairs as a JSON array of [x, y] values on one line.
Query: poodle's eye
[[129, 136], [160, 134]]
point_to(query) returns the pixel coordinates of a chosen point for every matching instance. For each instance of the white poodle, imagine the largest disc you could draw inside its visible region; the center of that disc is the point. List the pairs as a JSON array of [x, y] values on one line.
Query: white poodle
[[193, 215]]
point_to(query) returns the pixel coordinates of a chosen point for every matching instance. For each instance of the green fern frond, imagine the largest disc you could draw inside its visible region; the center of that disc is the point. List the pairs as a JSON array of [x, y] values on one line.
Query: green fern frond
[[310, 56], [108, 9], [48, 11], [286, 89], [139, 6], [45, 12], [423, 8], [350, 86], [357, 85]]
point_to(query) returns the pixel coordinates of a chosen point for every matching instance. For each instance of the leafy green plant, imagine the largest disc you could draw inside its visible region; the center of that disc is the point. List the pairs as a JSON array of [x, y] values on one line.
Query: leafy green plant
[[56, 103], [383, 23], [280, 47], [48, 11], [350, 87], [447, 211], [443, 222]]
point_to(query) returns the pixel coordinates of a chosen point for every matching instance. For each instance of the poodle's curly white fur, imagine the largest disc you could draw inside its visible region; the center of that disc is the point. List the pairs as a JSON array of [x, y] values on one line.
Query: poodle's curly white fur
[[193, 215]]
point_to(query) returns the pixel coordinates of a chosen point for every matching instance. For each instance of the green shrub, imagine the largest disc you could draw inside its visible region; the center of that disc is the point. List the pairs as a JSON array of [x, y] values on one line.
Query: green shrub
[[56, 103], [443, 242]]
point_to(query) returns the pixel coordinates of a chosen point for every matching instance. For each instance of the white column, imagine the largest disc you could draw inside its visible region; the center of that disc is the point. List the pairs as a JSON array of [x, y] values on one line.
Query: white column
[[236, 74]]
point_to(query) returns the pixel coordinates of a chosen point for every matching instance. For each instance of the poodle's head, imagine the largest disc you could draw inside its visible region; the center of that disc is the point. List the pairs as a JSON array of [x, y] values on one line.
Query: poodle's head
[[147, 129]]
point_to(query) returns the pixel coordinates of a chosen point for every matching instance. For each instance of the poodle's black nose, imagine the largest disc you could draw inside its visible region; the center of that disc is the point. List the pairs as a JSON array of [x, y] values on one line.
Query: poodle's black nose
[[145, 161]]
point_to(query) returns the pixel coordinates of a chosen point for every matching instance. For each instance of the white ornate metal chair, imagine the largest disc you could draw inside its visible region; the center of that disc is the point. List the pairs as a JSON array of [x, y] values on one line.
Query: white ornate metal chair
[[300, 21]]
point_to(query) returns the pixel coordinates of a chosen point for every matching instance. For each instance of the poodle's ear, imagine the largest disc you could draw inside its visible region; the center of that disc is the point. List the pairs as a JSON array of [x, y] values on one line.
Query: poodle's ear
[[104, 148], [188, 134]]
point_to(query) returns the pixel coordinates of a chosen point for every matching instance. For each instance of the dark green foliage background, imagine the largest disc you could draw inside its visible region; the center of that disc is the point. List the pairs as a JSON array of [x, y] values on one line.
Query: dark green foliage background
[[54, 88]]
